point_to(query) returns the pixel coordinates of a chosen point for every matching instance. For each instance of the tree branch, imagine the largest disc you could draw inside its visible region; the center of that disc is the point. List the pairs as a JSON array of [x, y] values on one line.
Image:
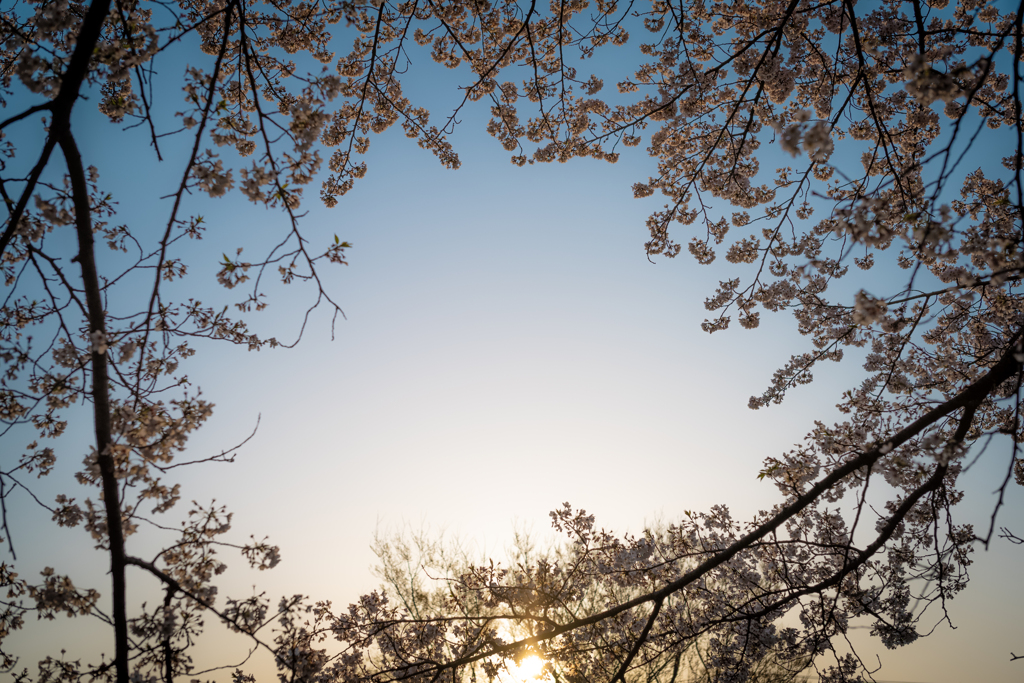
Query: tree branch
[[100, 396]]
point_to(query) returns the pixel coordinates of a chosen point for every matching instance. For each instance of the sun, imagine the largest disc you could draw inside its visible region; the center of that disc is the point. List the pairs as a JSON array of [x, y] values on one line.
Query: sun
[[526, 668], [529, 669]]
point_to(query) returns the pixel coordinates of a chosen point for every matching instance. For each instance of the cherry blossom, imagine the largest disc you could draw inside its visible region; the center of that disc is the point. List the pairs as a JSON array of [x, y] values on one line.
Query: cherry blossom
[[875, 108]]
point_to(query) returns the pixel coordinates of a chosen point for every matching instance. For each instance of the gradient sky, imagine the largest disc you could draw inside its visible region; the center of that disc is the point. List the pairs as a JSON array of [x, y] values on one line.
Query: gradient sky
[[507, 347]]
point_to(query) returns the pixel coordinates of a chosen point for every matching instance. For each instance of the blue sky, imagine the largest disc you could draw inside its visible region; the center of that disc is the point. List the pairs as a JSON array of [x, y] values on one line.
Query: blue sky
[[508, 346]]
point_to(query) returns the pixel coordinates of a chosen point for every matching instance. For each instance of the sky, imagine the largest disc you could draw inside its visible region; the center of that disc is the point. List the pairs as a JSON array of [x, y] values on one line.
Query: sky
[[507, 346]]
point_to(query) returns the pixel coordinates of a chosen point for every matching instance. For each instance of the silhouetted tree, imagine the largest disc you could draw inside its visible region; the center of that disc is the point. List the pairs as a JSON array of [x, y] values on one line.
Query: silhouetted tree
[[882, 109]]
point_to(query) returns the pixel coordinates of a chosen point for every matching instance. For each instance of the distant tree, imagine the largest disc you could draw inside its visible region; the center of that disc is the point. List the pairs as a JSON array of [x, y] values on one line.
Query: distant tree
[[882, 108], [432, 580]]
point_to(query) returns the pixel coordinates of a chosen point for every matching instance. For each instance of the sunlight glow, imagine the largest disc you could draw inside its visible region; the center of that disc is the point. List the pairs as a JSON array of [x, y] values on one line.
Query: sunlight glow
[[524, 668], [527, 670]]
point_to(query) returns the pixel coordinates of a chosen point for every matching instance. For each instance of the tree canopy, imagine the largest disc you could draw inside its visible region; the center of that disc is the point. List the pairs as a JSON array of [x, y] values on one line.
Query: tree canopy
[[888, 227]]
